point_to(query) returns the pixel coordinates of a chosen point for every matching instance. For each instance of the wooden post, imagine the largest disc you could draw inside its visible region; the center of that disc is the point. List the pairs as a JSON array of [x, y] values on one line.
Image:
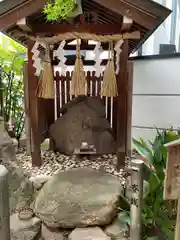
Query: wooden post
[[177, 233], [1, 95], [27, 117], [4, 205], [136, 198], [172, 179], [34, 110], [122, 106], [129, 109]]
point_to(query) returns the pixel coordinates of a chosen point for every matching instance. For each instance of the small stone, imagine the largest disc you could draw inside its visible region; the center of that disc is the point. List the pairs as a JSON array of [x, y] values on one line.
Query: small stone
[[26, 214], [117, 230], [56, 162], [22, 142], [24, 229], [39, 181], [94, 233], [51, 234]]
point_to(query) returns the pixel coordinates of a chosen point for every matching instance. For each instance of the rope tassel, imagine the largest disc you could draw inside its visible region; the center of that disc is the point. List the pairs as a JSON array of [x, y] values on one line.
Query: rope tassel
[[78, 86], [109, 85], [46, 82]]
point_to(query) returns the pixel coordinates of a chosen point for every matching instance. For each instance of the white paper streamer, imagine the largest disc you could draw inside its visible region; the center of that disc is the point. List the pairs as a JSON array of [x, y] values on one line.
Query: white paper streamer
[[118, 50], [59, 53], [37, 61], [97, 52]]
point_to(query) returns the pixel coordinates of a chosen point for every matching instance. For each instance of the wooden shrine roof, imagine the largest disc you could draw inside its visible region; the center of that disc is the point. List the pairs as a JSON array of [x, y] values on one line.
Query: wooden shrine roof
[[146, 15]]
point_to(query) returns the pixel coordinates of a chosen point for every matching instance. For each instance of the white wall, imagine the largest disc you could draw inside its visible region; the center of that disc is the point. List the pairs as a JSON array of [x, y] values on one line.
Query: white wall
[[156, 96]]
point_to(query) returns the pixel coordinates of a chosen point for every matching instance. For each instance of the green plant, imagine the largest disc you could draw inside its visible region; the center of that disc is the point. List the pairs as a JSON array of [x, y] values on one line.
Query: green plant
[[158, 216], [11, 81], [59, 9], [157, 213]]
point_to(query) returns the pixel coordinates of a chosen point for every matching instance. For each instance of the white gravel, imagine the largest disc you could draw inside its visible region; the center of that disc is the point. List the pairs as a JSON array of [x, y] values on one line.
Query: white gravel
[[53, 163]]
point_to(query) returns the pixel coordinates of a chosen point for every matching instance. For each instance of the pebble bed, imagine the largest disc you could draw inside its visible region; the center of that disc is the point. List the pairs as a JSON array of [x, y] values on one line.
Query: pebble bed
[[53, 163]]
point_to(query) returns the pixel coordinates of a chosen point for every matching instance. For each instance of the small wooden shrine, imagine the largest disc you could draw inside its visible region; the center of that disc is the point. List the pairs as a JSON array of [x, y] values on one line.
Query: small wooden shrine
[[121, 25]]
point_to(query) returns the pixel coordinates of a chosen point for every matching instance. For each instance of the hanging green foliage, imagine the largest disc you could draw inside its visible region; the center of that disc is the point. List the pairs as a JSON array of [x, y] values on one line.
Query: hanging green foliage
[[59, 9]]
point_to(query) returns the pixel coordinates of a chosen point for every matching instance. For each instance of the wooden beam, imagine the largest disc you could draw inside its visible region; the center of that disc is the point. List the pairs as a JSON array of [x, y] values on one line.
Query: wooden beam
[[123, 8], [121, 107], [10, 17], [34, 111], [152, 7], [59, 28], [23, 24], [8, 5], [127, 24]]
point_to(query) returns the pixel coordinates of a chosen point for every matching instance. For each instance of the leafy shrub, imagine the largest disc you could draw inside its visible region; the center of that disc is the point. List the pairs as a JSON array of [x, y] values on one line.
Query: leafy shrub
[[11, 81], [59, 9], [158, 215]]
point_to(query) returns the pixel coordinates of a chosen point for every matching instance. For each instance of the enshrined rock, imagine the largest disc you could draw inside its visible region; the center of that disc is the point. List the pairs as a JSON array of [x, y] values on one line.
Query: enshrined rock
[[93, 233], [78, 198], [83, 121], [26, 230]]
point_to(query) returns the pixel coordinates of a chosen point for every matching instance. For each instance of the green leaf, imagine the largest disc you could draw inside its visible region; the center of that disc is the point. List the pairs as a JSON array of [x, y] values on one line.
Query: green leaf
[[154, 181], [153, 238], [143, 150], [124, 217], [59, 9]]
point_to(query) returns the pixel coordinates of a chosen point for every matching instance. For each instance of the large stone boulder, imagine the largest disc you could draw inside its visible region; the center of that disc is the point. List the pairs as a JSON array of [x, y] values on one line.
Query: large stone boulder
[[82, 121], [78, 198], [21, 190]]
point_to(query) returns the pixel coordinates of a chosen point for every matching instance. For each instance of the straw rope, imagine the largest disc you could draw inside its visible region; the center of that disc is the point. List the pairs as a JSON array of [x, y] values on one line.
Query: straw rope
[[77, 35], [109, 86], [45, 87], [78, 84]]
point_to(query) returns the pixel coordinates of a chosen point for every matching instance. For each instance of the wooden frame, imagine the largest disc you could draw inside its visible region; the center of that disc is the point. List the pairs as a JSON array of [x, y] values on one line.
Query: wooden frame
[[122, 115], [58, 28], [126, 9], [145, 17], [172, 179], [16, 10]]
